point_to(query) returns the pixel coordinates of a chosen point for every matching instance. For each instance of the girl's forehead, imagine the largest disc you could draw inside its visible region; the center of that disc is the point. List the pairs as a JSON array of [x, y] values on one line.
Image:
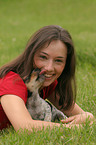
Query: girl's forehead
[[56, 47], [52, 43]]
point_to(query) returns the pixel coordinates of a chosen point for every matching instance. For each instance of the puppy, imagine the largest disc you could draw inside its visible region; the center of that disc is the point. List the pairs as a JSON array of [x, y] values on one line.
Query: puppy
[[38, 108]]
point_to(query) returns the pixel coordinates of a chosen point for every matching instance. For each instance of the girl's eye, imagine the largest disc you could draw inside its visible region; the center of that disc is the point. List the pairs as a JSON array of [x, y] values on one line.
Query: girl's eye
[[43, 57], [58, 60]]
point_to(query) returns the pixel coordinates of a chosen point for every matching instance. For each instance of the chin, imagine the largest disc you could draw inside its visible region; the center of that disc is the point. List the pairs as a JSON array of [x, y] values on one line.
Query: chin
[[46, 84]]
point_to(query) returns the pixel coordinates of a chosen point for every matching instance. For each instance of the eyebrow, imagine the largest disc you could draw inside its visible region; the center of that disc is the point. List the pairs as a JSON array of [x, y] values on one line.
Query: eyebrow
[[57, 57], [44, 53]]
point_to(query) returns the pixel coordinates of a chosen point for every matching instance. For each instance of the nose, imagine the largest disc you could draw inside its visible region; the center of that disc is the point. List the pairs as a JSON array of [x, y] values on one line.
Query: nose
[[49, 66]]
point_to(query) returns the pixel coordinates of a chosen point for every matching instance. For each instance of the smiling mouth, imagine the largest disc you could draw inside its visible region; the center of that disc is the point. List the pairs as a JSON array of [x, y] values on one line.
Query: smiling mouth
[[46, 75]]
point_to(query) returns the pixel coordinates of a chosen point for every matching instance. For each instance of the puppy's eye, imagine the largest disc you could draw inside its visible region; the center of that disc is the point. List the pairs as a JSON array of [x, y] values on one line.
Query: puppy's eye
[[37, 78]]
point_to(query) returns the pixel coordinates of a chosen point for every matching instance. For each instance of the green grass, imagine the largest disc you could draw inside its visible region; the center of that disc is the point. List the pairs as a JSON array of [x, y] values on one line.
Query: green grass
[[19, 19], [59, 136]]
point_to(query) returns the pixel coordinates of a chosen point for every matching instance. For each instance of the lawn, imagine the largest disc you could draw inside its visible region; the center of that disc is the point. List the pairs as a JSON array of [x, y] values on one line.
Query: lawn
[[19, 19]]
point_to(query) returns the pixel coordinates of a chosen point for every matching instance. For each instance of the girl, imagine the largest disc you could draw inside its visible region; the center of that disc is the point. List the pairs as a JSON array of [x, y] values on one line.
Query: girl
[[51, 50]]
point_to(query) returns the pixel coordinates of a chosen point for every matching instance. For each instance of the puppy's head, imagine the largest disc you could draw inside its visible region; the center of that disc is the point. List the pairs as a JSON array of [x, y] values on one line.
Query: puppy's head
[[35, 80]]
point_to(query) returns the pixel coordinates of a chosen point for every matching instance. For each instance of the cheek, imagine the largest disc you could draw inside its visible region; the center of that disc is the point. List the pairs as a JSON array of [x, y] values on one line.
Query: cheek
[[37, 63], [61, 68]]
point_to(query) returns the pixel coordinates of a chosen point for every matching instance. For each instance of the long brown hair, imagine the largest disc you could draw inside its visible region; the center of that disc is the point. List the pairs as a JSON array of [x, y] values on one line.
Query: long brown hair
[[23, 65]]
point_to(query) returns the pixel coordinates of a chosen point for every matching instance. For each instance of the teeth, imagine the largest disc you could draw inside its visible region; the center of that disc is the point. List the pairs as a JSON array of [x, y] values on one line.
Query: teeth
[[46, 75]]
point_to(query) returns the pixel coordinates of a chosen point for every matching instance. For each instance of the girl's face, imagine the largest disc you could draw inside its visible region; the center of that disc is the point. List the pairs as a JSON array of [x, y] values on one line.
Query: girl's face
[[52, 59]]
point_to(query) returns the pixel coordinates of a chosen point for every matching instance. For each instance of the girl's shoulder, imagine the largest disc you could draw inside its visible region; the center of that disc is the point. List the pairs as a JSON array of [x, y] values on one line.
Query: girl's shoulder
[[13, 84]]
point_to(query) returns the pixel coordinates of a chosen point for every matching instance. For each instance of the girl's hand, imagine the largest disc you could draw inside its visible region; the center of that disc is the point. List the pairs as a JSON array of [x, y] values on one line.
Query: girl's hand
[[78, 119]]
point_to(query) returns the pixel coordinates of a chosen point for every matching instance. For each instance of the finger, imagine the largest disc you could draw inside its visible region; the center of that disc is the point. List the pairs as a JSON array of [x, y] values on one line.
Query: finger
[[72, 122], [70, 119]]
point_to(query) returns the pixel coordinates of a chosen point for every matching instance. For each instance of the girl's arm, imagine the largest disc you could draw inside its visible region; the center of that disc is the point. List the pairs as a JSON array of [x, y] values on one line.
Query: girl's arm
[[75, 114], [17, 113]]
